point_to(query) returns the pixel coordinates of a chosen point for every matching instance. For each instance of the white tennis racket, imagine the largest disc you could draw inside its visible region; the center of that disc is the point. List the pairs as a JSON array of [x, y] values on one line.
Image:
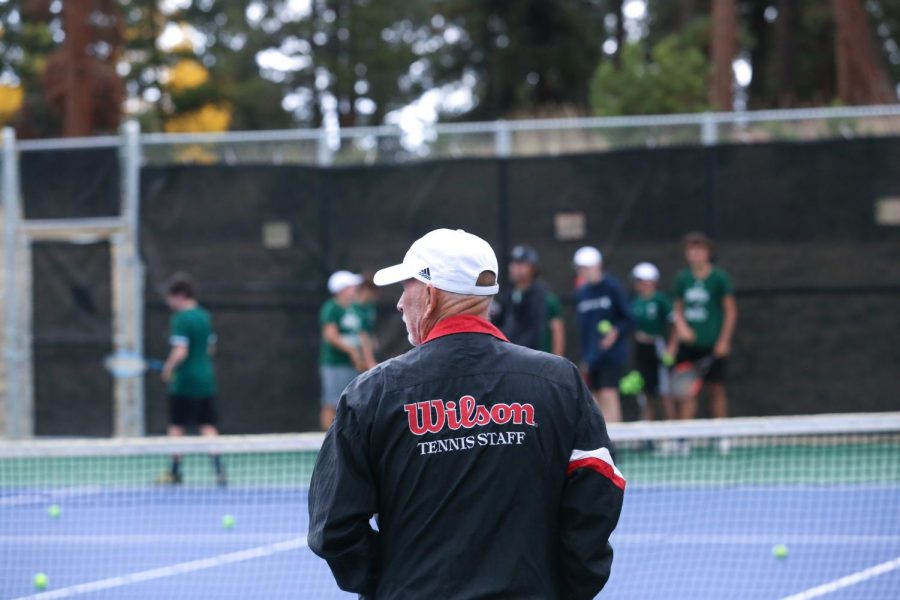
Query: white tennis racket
[[130, 364]]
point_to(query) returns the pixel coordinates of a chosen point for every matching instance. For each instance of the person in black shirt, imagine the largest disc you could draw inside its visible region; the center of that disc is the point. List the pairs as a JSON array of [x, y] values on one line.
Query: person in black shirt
[[486, 465], [530, 314]]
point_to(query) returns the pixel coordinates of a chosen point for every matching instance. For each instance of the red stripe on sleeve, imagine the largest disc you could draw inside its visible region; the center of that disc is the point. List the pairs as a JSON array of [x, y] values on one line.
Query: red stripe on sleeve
[[598, 465]]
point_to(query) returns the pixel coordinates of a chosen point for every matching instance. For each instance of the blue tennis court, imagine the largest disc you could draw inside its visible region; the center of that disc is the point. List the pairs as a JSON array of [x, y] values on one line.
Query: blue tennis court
[[673, 541]]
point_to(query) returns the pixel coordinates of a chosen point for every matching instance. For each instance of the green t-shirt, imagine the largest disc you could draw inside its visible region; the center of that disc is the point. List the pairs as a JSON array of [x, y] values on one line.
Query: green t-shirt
[[369, 312], [195, 377], [350, 323], [702, 300], [554, 311], [652, 315]]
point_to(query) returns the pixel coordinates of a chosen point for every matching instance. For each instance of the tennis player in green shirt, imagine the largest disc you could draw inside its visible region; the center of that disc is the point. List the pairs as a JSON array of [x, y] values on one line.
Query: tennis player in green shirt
[[653, 319], [705, 318], [189, 372], [346, 348]]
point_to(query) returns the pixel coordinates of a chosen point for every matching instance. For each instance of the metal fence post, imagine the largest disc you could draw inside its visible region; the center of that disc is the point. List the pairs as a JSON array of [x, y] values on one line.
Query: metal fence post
[[18, 409], [8, 400], [502, 139], [503, 149], [127, 285], [324, 155], [709, 137], [709, 130]]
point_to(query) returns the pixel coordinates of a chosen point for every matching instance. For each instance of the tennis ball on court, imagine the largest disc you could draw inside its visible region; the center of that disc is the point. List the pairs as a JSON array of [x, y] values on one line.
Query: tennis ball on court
[[53, 510], [780, 551], [41, 581], [227, 521], [667, 359], [604, 327]]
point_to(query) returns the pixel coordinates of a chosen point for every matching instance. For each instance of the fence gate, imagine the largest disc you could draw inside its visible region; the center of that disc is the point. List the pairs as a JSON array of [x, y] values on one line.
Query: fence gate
[[17, 406]]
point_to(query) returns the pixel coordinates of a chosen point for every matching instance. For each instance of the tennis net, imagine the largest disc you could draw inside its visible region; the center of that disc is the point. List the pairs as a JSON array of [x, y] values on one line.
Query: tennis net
[[789, 507]]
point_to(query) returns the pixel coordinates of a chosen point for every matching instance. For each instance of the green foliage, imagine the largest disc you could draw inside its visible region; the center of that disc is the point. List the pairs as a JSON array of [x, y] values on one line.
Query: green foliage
[[673, 79], [520, 56], [366, 58]]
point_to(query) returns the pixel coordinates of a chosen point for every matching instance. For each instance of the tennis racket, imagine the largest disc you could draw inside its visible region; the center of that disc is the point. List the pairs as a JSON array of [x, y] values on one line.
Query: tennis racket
[[687, 376], [130, 364]]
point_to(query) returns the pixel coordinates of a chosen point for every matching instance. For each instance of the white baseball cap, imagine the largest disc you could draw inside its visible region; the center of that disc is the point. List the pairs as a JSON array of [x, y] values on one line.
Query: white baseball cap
[[450, 260], [587, 256], [341, 280], [645, 272]]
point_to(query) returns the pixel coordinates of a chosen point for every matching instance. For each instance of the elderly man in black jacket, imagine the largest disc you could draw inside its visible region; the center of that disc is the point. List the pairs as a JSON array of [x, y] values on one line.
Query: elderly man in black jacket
[[486, 465]]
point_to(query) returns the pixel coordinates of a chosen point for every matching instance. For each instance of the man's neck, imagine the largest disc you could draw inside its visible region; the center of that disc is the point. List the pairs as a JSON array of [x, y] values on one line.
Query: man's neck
[[702, 271], [189, 305], [465, 306]]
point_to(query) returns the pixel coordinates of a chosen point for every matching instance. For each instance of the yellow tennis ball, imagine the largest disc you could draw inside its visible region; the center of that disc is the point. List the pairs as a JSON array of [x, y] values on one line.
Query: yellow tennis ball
[[228, 521], [54, 511], [604, 327], [780, 551], [40, 581]]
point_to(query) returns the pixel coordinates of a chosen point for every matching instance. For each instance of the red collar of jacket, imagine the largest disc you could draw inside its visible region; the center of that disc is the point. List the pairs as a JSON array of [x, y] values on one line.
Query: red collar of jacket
[[464, 324]]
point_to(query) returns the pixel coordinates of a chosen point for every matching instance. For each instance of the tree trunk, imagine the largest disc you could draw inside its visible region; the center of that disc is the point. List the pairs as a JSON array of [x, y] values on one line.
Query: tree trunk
[[686, 11], [619, 8], [758, 92], [724, 48], [78, 111], [786, 27], [861, 76]]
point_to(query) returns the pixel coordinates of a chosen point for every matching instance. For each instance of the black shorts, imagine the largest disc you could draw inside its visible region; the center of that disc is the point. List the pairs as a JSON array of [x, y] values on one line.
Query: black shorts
[[649, 365], [605, 374], [716, 372], [192, 412]]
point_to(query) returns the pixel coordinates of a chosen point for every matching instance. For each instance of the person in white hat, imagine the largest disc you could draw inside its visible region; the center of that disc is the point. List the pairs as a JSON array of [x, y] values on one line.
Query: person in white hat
[[653, 321], [346, 349], [487, 464], [604, 324]]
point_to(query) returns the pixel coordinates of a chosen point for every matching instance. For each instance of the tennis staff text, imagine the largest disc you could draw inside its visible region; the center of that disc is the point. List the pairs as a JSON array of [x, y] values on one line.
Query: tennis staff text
[[508, 438]]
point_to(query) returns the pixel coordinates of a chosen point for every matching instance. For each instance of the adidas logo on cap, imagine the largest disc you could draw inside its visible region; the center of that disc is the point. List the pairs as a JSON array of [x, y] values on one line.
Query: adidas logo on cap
[[425, 273]]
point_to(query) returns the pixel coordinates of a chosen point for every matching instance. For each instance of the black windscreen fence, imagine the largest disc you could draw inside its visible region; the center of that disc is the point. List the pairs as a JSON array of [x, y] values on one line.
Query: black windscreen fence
[[816, 275]]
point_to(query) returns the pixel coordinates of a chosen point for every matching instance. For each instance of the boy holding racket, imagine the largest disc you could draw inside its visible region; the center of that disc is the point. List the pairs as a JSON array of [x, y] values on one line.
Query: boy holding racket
[[189, 372], [653, 316], [705, 314]]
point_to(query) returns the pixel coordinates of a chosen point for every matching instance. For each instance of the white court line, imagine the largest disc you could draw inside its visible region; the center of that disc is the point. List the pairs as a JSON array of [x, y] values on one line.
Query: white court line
[[42, 498], [739, 539], [171, 570], [753, 538], [126, 539], [852, 579]]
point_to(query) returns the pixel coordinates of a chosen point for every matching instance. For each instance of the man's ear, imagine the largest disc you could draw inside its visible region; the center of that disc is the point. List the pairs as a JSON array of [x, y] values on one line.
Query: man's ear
[[431, 299]]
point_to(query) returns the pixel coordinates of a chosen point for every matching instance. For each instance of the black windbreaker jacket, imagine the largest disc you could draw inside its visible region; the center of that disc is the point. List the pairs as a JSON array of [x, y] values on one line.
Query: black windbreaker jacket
[[487, 466]]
